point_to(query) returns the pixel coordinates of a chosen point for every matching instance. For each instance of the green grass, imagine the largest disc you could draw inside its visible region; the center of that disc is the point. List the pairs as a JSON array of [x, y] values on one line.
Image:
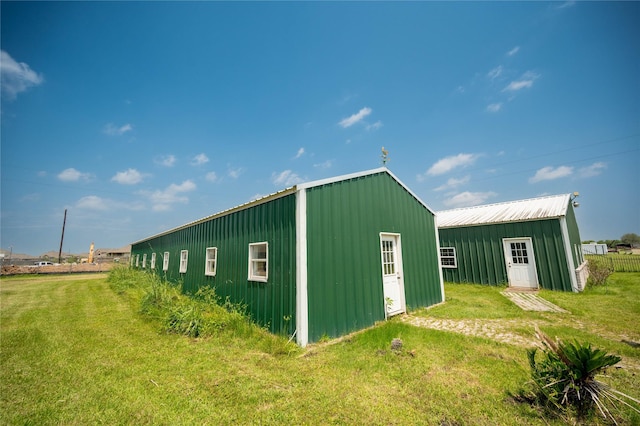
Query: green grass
[[620, 262], [74, 351]]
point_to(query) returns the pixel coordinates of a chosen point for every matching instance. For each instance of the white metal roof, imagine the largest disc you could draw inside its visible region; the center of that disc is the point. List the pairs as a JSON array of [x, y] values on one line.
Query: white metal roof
[[512, 211], [288, 191]]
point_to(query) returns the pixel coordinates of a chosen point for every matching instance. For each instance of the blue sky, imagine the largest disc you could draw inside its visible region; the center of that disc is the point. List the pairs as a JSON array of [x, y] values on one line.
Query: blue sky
[[138, 117]]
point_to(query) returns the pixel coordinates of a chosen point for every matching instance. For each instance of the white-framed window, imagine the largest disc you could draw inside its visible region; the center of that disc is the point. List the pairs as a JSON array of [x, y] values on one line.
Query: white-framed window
[[137, 260], [184, 257], [448, 257], [144, 260], [153, 261], [258, 262], [211, 261], [165, 261], [131, 261]]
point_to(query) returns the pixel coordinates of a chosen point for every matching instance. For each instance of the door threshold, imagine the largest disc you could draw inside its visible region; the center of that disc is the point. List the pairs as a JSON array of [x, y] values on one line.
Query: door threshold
[[522, 289]]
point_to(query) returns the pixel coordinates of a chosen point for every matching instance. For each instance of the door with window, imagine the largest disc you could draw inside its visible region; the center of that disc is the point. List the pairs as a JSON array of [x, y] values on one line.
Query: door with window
[[521, 264], [392, 280]]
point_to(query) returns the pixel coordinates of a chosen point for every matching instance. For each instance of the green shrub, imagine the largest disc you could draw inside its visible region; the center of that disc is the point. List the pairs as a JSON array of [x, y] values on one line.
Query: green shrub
[[564, 378], [600, 268]]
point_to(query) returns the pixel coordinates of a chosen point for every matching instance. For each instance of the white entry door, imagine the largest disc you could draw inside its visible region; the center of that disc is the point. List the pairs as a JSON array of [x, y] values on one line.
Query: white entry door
[[392, 281], [521, 264]]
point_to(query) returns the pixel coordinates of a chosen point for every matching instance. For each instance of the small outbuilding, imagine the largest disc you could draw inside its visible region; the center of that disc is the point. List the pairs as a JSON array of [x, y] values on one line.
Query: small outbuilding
[[526, 244], [319, 259]]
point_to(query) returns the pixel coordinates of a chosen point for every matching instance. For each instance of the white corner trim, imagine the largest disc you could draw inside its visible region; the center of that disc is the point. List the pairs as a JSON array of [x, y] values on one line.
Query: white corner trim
[[302, 303], [568, 251], [437, 234]]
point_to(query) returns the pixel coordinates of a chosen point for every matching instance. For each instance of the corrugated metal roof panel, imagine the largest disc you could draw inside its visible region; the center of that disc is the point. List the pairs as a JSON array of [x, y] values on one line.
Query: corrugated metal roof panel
[[288, 191], [512, 211]]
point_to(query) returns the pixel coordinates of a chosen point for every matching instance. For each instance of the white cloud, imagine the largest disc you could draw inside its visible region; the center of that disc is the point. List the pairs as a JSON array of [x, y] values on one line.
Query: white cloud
[[92, 202], [495, 73], [286, 178], [453, 183], [128, 177], [16, 77], [73, 175], [513, 51], [113, 130], [525, 82], [374, 126], [257, 197], [166, 160], [300, 153], [235, 173], [30, 197], [593, 170], [324, 165], [353, 119], [447, 164], [494, 107], [550, 173], [467, 199], [199, 159], [212, 177], [460, 89], [163, 199], [566, 4]]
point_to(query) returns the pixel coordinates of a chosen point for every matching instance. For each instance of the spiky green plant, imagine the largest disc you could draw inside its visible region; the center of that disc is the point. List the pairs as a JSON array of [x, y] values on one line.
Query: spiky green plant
[[566, 377]]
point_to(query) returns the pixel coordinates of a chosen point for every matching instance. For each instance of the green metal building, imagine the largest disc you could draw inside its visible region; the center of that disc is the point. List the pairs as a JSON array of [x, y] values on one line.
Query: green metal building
[[527, 244], [318, 259]]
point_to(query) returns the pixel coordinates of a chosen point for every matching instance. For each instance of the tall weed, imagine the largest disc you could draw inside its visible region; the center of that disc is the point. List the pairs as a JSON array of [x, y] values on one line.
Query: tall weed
[[600, 268], [202, 314]]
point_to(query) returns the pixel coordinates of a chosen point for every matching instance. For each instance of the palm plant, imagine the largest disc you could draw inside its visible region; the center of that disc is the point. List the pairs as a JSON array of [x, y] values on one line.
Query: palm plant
[[566, 377]]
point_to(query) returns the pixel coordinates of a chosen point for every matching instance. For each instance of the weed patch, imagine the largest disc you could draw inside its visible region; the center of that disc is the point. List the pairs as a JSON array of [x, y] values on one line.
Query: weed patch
[[202, 314]]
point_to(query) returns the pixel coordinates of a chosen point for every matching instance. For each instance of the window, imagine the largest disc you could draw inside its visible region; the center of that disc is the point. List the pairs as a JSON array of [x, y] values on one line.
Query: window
[[165, 261], [258, 262], [144, 260], [184, 256], [448, 257], [210, 261], [153, 261], [519, 253], [137, 260]]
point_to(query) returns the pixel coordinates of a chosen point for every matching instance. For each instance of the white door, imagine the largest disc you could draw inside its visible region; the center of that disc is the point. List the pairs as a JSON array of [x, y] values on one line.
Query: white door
[[521, 265], [392, 282]]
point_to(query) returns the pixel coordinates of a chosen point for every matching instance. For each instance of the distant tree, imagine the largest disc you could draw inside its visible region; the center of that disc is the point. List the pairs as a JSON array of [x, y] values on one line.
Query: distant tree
[[632, 239], [588, 242], [609, 243]]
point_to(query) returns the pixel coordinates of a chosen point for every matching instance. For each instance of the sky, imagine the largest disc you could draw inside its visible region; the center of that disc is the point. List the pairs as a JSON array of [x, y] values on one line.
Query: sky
[[137, 117]]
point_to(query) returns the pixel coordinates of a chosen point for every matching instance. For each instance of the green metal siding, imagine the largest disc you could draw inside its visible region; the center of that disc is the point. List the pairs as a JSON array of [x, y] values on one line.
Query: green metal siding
[[344, 222], [480, 253], [574, 237], [271, 304]]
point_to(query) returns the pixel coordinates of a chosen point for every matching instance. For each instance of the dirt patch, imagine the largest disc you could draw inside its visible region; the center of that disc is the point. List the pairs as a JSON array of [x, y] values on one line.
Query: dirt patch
[[56, 269]]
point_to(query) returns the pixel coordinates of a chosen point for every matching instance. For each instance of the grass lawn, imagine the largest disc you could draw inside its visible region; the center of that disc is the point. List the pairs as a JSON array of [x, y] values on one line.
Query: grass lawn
[[73, 351]]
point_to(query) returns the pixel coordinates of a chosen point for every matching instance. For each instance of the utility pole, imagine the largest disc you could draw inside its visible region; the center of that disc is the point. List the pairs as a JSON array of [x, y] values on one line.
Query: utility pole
[[62, 238]]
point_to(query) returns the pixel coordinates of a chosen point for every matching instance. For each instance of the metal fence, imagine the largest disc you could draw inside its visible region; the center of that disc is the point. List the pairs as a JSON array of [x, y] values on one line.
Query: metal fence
[[619, 262]]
